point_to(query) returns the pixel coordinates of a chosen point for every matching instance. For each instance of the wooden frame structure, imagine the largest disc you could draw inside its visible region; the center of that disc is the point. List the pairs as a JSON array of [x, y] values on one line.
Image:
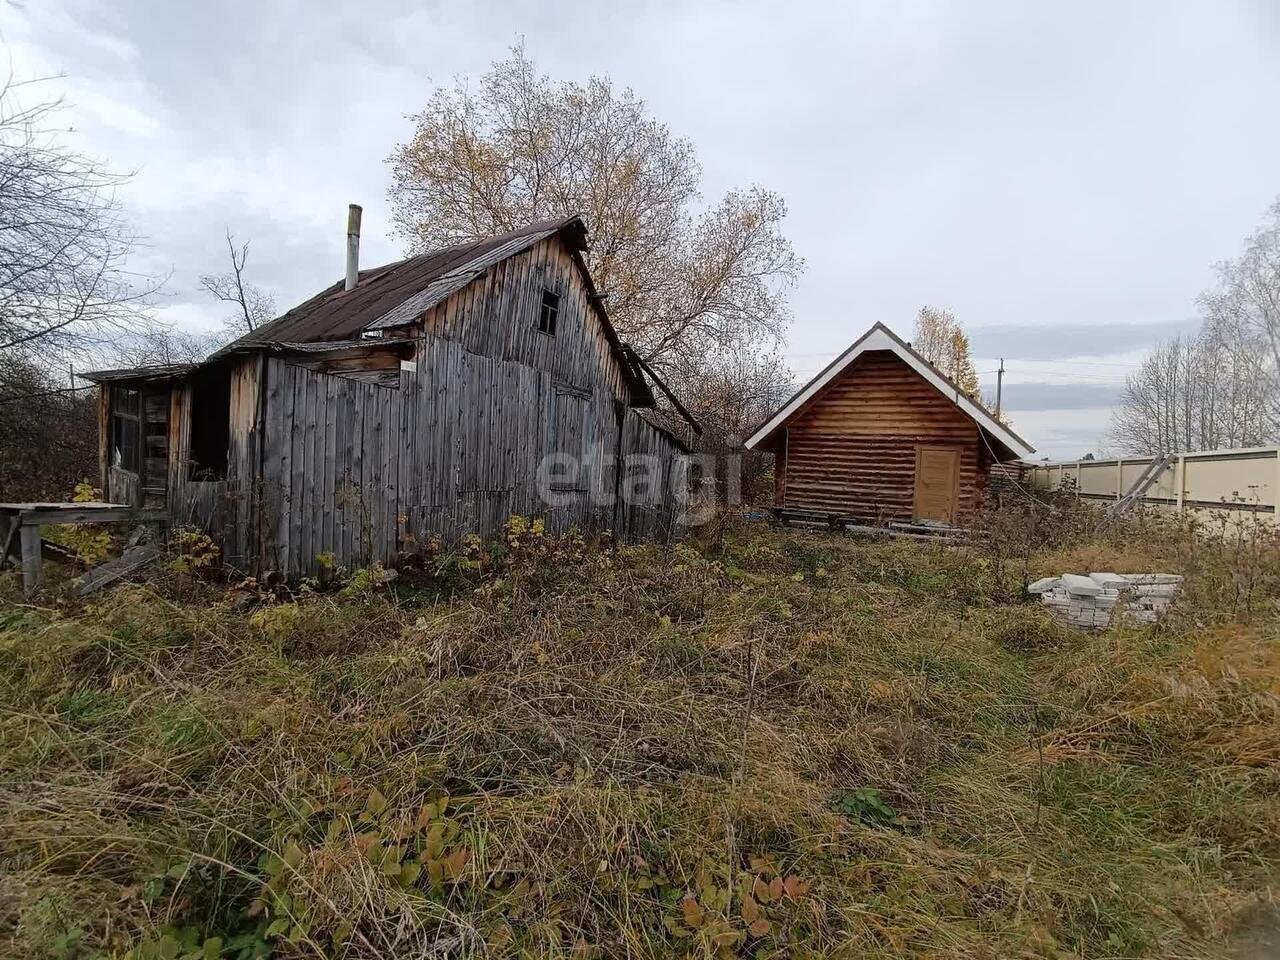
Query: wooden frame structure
[[20, 525], [426, 401]]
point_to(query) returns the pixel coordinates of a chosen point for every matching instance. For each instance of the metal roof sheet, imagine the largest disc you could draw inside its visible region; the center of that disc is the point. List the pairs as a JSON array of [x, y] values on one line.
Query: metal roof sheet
[[339, 314]]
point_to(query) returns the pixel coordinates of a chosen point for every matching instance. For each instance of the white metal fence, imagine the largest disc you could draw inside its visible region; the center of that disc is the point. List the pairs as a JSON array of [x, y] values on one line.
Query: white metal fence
[[1238, 480]]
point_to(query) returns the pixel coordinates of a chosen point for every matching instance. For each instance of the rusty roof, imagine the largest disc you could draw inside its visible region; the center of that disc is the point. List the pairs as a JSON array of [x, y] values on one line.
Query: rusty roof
[[397, 294], [382, 293], [165, 371]]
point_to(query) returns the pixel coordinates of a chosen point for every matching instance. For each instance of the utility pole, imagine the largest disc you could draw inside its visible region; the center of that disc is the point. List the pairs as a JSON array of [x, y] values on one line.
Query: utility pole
[[999, 386]]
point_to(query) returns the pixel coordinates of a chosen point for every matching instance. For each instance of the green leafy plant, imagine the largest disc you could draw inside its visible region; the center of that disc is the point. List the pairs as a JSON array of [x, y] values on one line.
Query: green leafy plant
[[90, 542], [866, 805], [195, 552]]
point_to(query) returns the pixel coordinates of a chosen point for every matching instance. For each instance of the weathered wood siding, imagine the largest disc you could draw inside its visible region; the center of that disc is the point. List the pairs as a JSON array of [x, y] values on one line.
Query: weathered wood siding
[[104, 436], [226, 507], [497, 317], [490, 419], [852, 450], [122, 486], [362, 471], [651, 509]]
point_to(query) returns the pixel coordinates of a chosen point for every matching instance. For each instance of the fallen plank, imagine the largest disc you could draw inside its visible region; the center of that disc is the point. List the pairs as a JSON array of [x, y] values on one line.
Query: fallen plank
[[885, 533], [131, 561], [59, 554]]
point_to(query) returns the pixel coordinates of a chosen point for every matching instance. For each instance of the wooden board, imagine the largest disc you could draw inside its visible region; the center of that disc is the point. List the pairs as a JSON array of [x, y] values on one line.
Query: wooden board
[[131, 561], [937, 484]]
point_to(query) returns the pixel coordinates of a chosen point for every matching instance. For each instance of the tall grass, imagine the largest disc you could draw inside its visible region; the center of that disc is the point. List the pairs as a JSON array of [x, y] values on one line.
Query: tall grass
[[756, 743]]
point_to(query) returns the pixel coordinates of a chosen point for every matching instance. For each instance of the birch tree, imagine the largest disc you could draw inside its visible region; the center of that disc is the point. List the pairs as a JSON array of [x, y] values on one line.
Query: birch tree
[[682, 278], [1194, 393], [1221, 387], [940, 339], [1244, 306]]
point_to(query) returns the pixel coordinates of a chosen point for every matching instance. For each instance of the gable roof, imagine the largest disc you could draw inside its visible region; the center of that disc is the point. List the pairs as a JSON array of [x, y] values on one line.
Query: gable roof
[[880, 337], [398, 293]]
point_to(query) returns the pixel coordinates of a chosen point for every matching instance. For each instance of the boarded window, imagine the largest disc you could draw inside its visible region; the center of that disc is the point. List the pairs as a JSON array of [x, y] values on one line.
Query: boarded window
[[126, 428], [549, 314], [210, 423]]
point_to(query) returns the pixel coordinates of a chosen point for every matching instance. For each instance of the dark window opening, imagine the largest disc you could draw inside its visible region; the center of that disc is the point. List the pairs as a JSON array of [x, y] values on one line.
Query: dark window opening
[[126, 428], [550, 313], [210, 424]]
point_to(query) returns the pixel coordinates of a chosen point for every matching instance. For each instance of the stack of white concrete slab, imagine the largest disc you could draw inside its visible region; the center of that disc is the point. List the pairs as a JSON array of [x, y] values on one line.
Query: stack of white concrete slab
[[1095, 601]]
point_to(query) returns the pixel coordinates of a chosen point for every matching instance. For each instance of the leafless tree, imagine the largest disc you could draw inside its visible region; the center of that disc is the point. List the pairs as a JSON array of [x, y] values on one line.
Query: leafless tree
[[164, 348], [253, 306], [520, 147], [65, 290], [48, 431], [1221, 387], [732, 390], [1194, 393], [1245, 304]]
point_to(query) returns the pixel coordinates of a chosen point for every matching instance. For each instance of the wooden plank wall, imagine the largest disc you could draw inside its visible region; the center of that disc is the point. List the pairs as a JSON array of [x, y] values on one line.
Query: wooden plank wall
[[852, 451], [365, 469], [104, 436], [122, 486], [654, 514], [224, 507], [362, 472], [497, 317]]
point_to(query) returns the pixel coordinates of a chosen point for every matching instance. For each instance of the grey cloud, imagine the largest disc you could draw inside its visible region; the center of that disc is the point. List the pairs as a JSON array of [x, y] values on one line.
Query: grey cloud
[[1071, 339], [1058, 396]]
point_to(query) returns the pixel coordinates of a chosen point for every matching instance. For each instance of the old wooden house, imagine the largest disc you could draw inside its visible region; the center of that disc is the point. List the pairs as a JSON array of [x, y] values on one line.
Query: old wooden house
[[881, 434], [433, 397]]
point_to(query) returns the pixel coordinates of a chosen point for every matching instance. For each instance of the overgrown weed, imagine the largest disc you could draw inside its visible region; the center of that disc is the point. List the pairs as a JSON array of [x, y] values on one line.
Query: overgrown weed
[[754, 743]]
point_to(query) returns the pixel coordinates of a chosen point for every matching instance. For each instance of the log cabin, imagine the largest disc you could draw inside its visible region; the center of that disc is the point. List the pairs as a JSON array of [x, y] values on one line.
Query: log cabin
[[430, 398], [881, 434]]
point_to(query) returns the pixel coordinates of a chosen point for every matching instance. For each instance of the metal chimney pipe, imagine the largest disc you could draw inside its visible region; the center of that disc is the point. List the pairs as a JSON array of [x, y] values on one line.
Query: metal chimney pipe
[[353, 245]]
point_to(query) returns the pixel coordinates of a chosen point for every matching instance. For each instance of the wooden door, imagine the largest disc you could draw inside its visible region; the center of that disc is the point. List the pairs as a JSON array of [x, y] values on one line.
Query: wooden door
[[937, 484]]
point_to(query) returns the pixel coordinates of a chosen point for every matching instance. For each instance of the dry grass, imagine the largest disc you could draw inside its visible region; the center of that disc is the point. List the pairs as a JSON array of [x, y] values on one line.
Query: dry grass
[[755, 744]]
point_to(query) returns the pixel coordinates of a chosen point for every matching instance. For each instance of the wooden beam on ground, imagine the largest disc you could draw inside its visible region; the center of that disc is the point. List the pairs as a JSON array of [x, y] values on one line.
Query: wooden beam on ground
[[59, 554], [131, 561], [37, 516]]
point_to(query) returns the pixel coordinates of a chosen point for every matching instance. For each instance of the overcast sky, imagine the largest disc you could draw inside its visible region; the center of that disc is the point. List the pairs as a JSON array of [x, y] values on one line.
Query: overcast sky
[[1061, 175]]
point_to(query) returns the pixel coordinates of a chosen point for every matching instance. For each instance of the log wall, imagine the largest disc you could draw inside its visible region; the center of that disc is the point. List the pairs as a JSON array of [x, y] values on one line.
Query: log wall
[[852, 450]]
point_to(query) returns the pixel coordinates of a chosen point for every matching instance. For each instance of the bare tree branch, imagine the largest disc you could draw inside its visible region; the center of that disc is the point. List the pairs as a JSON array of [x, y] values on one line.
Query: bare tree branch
[[254, 307], [65, 292]]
